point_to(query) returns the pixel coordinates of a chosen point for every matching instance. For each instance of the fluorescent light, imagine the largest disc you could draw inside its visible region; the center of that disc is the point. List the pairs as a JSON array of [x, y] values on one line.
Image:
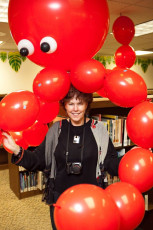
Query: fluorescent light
[[144, 28], [141, 52]]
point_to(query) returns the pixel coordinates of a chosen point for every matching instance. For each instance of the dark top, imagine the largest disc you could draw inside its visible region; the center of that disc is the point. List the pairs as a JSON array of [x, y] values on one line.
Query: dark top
[[89, 161], [35, 160]]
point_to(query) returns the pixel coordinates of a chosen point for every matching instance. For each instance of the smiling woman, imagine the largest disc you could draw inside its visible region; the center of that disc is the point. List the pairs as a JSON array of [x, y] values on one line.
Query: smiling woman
[[77, 104]]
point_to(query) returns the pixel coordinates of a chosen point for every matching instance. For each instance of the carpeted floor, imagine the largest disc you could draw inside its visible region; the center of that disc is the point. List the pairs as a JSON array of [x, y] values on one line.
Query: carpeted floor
[[25, 214]]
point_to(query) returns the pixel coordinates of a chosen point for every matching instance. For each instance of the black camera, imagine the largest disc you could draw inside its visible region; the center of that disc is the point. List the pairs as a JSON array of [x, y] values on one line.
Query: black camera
[[73, 167]]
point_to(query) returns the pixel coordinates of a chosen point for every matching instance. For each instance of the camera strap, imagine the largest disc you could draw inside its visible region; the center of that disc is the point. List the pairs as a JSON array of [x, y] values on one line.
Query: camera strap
[[67, 144]]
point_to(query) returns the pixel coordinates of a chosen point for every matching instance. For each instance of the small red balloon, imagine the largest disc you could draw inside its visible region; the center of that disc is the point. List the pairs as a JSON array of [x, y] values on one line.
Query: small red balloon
[[88, 76], [140, 124], [125, 56], [86, 206], [48, 111], [18, 111], [123, 30], [130, 203], [51, 85], [136, 168], [125, 88], [35, 134]]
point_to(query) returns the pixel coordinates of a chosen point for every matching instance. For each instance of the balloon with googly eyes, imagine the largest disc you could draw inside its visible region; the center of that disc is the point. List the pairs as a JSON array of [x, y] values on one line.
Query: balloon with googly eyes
[[58, 32]]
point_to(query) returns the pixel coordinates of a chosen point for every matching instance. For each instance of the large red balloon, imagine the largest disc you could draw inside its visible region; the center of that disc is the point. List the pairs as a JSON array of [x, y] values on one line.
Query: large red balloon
[[123, 30], [140, 124], [18, 110], [35, 134], [136, 168], [130, 203], [51, 85], [125, 56], [74, 30], [88, 76], [125, 88], [48, 111], [86, 206]]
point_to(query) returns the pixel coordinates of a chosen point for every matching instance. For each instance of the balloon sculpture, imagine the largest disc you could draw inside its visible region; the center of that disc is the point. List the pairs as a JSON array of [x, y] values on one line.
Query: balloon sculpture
[[63, 36]]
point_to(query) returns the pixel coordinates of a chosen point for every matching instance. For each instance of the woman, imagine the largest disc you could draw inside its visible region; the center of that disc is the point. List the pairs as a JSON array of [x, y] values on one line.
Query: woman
[[74, 151]]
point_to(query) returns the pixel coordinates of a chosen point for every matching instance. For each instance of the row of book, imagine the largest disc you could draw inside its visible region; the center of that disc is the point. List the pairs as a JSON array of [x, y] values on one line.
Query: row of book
[[116, 127], [31, 180]]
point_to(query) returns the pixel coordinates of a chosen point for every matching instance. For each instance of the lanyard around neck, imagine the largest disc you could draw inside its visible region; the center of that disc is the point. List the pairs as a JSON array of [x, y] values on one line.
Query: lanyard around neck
[[67, 144]]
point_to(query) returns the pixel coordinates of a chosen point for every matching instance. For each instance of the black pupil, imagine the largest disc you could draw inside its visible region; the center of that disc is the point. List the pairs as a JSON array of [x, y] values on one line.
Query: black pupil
[[24, 51], [45, 47]]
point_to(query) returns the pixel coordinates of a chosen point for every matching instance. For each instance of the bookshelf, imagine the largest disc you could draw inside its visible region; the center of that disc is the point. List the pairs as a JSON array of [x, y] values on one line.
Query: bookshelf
[[14, 179]]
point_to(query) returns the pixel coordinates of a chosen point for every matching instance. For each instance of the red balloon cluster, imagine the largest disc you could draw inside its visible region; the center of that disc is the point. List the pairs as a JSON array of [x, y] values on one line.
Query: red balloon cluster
[[123, 31], [86, 206]]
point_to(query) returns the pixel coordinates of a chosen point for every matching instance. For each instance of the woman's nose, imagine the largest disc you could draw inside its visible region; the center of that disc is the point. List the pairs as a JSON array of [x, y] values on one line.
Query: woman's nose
[[75, 107]]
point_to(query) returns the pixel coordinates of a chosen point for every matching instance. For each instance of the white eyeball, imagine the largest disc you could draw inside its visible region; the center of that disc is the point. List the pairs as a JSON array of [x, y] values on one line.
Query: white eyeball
[[48, 45], [25, 47]]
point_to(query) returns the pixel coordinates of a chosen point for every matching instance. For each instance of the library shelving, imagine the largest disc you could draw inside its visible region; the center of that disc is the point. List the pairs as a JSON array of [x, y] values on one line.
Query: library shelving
[[15, 181]]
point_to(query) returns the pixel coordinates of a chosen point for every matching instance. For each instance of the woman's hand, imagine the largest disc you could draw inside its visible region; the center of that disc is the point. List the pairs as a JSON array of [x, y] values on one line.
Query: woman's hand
[[9, 143]]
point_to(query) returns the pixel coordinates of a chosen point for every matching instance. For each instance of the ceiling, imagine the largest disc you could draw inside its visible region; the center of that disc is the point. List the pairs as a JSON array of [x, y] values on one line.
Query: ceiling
[[138, 10]]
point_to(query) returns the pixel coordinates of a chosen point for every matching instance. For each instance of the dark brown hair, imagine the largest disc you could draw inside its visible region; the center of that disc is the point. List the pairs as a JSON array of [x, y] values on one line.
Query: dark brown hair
[[87, 97]]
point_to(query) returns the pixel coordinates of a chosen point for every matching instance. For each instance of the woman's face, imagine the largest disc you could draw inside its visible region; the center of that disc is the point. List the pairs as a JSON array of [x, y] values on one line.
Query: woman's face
[[76, 109]]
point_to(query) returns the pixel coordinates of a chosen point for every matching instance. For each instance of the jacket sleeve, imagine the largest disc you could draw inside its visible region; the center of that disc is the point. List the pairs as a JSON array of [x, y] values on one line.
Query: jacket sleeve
[[111, 161], [31, 160]]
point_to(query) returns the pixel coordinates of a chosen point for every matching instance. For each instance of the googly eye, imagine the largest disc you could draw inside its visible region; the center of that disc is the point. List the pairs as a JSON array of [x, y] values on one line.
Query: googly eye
[[25, 47], [48, 45]]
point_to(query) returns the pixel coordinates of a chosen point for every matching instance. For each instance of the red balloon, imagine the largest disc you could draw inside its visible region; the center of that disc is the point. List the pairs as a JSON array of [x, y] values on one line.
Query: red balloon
[[125, 56], [102, 92], [19, 140], [123, 30], [74, 30], [18, 111], [86, 206], [35, 134], [48, 111], [125, 88], [136, 168], [88, 76], [51, 85], [140, 124], [130, 203]]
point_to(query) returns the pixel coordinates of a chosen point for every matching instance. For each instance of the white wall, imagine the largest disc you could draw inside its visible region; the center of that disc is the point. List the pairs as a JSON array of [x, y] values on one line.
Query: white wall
[[23, 79]]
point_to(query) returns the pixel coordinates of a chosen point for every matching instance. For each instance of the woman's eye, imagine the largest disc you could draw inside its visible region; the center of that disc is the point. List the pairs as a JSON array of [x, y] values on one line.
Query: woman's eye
[[48, 45], [25, 47]]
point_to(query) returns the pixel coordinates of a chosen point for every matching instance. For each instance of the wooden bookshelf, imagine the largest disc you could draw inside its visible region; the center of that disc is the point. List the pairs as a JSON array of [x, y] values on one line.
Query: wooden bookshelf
[[14, 179]]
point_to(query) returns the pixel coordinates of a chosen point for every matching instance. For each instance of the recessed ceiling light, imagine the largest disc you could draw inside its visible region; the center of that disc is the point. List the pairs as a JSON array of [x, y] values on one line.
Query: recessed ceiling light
[[141, 52], [144, 28]]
